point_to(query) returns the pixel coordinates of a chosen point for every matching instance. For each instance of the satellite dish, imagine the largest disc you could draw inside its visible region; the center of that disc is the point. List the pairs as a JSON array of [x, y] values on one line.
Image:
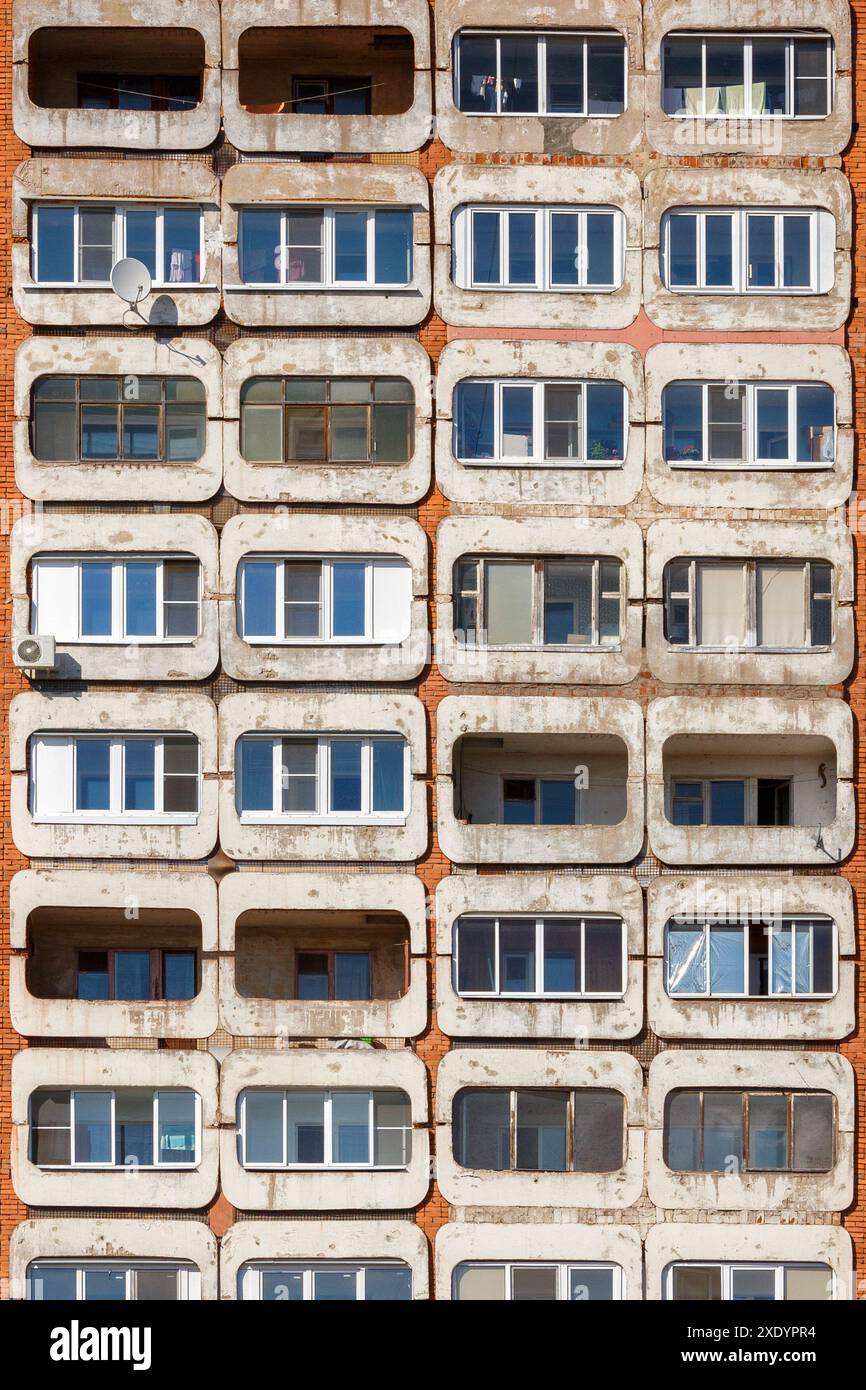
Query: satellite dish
[[130, 280]]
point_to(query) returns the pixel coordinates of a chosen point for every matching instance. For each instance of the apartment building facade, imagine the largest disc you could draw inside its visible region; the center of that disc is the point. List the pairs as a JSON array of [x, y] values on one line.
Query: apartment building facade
[[433, 684]]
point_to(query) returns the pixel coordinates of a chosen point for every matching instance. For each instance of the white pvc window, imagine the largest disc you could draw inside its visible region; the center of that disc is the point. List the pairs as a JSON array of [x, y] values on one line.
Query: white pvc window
[[326, 1281], [527, 73], [749, 424], [117, 778], [309, 247], [306, 600], [517, 421], [129, 1127], [762, 605], [538, 248], [762, 75], [340, 1129], [101, 599], [539, 1281], [515, 957], [78, 243], [335, 780], [748, 251], [748, 1281], [86, 1281], [793, 957]]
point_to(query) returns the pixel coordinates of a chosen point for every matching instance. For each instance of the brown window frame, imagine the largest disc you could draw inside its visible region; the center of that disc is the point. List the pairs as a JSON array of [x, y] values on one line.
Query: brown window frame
[[331, 953], [325, 406], [745, 1135], [157, 972]]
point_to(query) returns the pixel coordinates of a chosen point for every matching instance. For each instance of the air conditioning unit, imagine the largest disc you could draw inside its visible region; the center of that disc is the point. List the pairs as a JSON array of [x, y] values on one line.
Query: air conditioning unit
[[34, 653]]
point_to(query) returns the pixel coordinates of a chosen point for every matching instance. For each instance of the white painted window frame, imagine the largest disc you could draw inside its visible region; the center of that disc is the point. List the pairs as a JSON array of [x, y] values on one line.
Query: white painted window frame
[[188, 1276], [119, 635], [116, 814], [328, 249], [541, 35], [329, 1164], [729, 1266], [119, 251], [739, 250], [110, 1092], [323, 815], [326, 636], [564, 1269], [251, 1275], [463, 242], [788, 923], [747, 40], [751, 391], [537, 459], [751, 799]]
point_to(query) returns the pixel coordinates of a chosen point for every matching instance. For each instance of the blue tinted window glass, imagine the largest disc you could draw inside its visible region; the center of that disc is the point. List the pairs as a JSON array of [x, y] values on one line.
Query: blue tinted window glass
[[348, 579], [55, 231], [141, 599], [719, 249], [52, 1283], [282, 1285], [99, 432], [141, 238], [257, 774], [485, 248], [176, 1125], [260, 599], [388, 758], [92, 977], [557, 803], [92, 1127], [95, 599], [683, 248], [388, 1285], [518, 801], [260, 234], [599, 248], [105, 1285], [815, 420], [141, 432], [564, 248], [726, 960], [351, 975], [350, 246], [727, 803], [350, 1119], [683, 421], [181, 237], [605, 420], [138, 774], [762, 251], [393, 247], [521, 248], [796, 253], [474, 420], [178, 972], [132, 974], [346, 775], [772, 413], [332, 1286], [92, 782]]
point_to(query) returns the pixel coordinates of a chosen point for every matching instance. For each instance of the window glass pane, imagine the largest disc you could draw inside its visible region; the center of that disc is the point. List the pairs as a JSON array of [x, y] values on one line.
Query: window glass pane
[[133, 1126], [345, 775], [92, 1127], [55, 260], [182, 245], [50, 1128], [303, 250], [180, 765], [282, 1285], [605, 420], [568, 603], [565, 75], [521, 248], [313, 976], [726, 423], [96, 242], [306, 1126], [813, 1133], [686, 960], [516, 957], [682, 1132], [105, 1285], [697, 1283], [351, 975], [480, 1283], [96, 599], [99, 438], [723, 1132], [682, 249], [768, 1132], [542, 1124], [132, 975], [393, 246], [518, 69], [822, 957], [815, 421], [517, 419], [719, 253], [561, 957], [349, 589], [558, 802], [724, 80], [141, 432], [299, 775], [603, 961], [383, 1284], [605, 76], [393, 433], [180, 598], [350, 433], [334, 1286], [178, 975], [508, 590], [796, 254], [587, 1285], [534, 1284], [55, 430], [51, 1283], [562, 422], [476, 86], [256, 774], [92, 975], [260, 246], [350, 246], [474, 420], [762, 251], [772, 412], [482, 1126], [753, 1285], [476, 945], [599, 1123], [140, 586], [781, 597], [485, 248], [811, 90], [727, 803], [92, 789], [565, 248], [804, 1283], [176, 1127], [184, 431], [263, 1126], [518, 800], [393, 1129], [388, 774], [152, 1285], [683, 422], [768, 77], [726, 960], [682, 80], [350, 1121], [262, 433], [303, 589], [599, 249], [721, 598]]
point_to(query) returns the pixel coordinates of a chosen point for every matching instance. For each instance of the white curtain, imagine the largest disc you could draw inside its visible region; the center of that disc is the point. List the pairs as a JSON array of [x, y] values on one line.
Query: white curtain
[[781, 606], [721, 605]]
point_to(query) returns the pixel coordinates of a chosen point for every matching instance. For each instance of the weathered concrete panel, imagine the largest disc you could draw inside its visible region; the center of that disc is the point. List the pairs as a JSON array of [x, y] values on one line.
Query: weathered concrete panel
[[702, 1241], [73, 1238], [341, 1241], [459, 1242]]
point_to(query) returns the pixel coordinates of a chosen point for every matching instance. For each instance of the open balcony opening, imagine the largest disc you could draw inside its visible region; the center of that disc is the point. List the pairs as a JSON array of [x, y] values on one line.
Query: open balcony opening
[[353, 70], [94, 954], [322, 957], [541, 779], [116, 69], [745, 780]]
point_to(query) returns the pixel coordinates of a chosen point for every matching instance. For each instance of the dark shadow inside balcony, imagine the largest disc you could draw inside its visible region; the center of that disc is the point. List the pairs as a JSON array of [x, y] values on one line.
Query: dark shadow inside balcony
[[541, 779], [115, 69], [322, 956], [353, 70]]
